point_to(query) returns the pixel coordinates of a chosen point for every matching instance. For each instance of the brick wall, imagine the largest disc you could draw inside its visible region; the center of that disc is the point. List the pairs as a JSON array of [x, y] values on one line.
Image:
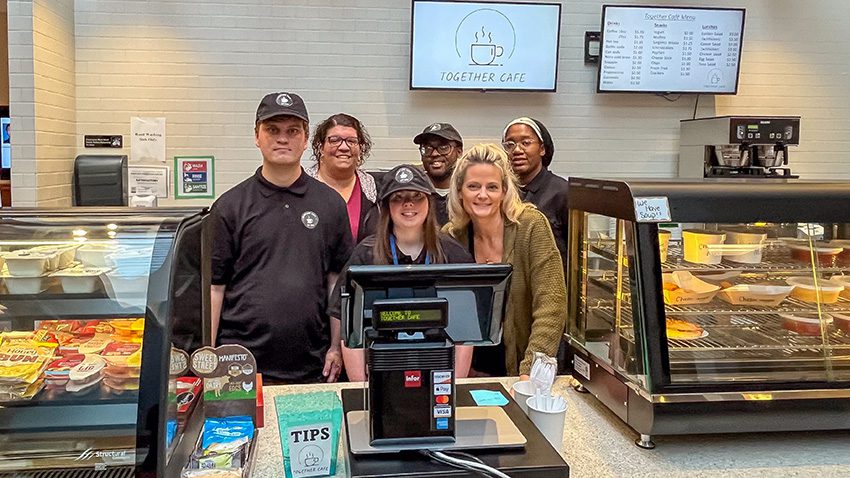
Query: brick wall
[[42, 101], [22, 102], [205, 64]]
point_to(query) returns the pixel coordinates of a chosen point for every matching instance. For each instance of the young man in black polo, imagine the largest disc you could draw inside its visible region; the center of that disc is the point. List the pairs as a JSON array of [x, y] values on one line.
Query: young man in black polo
[[280, 239], [530, 148], [440, 145]]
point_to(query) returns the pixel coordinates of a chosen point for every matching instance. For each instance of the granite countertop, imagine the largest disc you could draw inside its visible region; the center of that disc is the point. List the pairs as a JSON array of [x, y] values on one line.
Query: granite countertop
[[598, 444]]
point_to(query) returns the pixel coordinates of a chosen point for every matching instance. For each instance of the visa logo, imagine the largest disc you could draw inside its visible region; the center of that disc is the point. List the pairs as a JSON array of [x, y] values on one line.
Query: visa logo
[[412, 378]]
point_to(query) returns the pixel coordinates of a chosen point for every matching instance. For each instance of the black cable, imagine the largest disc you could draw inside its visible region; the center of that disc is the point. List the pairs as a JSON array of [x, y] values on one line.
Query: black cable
[[461, 454], [431, 455], [474, 464], [695, 107], [668, 97]]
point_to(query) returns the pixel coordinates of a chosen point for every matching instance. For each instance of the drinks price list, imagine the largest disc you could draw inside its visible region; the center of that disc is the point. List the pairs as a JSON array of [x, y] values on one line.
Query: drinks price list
[[670, 50]]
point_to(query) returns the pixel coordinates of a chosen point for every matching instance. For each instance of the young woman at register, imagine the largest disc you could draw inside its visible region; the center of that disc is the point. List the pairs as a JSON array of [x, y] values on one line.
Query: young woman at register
[[407, 233]]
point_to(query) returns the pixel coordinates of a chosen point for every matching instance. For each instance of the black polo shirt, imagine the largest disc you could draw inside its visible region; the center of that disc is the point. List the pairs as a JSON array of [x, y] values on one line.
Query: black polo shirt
[[273, 248], [548, 192], [441, 204], [363, 255]]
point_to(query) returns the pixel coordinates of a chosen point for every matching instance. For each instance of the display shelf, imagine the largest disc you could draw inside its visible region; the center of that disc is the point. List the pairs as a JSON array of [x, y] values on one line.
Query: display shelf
[[744, 371], [23, 310], [48, 397], [718, 306], [776, 257], [753, 332], [158, 271]]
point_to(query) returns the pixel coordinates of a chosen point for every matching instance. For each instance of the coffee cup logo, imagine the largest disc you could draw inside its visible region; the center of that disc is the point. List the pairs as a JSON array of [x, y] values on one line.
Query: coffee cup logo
[[283, 100], [485, 37], [483, 52]]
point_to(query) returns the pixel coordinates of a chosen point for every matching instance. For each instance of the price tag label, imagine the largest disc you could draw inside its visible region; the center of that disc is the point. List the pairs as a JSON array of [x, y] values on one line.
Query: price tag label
[[652, 209]]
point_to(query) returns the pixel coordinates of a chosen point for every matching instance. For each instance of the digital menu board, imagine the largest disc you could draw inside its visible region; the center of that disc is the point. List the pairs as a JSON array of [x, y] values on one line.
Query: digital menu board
[[670, 49]]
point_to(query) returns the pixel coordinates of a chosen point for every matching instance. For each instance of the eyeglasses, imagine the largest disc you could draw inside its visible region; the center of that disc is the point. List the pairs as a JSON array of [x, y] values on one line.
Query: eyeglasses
[[410, 197], [443, 149], [336, 141], [524, 144]]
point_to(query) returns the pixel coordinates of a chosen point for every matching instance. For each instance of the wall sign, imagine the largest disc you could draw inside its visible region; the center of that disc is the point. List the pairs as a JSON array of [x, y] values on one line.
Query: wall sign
[[194, 177], [103, 141], [148, 180], [147, 140]]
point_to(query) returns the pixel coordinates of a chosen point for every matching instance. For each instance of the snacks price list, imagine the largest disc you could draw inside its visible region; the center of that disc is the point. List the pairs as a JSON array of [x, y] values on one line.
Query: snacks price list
[[661, 50]]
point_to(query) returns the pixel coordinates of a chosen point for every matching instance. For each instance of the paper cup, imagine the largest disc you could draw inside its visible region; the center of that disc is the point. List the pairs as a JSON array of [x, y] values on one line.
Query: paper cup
[[746, 255], [549, 422], [696, 244], [521, 391], [663, 243]]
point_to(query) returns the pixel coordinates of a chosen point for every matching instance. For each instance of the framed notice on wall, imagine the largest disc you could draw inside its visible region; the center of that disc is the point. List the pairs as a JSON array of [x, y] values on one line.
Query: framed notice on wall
[[194, 177]]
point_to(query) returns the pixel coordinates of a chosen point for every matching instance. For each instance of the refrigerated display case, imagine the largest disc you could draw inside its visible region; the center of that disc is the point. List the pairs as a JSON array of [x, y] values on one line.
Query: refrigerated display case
[[711, 306], [95, 304]]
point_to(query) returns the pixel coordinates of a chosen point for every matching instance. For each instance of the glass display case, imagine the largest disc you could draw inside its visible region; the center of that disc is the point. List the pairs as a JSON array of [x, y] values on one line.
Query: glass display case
[[95, 303], [711, 307]]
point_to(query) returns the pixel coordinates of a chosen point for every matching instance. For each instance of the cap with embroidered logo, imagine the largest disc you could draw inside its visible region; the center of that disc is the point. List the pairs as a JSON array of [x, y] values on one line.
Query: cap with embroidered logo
[[281, 104], [442, 130], [405, 177]]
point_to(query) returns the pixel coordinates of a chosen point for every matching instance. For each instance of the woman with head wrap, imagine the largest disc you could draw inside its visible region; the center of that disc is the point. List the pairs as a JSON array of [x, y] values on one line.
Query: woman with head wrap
[[530, 150]]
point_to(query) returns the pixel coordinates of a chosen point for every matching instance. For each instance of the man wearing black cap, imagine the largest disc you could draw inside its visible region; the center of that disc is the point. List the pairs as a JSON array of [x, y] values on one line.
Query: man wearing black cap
[[440, 145], [279, 238], [530, 148]]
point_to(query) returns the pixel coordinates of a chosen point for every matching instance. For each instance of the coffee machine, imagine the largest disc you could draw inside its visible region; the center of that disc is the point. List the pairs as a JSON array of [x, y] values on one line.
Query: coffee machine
[[737, 146]]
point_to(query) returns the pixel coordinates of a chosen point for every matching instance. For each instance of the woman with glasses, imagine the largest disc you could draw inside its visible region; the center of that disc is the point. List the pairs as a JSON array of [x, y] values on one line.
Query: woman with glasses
[[530, 149], [340, 147], [407, 233], [487, 214]]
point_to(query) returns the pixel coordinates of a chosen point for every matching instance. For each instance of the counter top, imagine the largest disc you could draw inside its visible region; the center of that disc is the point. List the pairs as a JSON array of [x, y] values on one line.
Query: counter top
[[598, 444]]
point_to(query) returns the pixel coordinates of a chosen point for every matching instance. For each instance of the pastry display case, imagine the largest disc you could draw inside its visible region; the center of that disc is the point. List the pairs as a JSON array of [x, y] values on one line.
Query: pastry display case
[[95, 305], [711, 307]]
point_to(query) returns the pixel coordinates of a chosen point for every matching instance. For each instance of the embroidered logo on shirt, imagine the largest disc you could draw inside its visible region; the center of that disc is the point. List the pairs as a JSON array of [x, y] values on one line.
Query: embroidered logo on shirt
[[310, 219], [283, 100], [404, 175]]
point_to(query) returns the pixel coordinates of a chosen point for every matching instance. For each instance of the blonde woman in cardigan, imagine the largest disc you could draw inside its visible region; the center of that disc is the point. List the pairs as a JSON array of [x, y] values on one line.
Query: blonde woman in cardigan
[[487, 214]]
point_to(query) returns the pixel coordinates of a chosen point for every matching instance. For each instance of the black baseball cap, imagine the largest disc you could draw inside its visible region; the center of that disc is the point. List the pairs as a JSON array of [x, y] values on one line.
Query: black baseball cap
[[281, 104], [405, 177], [443, 130]]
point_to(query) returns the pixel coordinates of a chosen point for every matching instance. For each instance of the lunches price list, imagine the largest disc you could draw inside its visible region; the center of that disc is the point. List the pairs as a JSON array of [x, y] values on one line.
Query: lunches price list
[[670, 50]]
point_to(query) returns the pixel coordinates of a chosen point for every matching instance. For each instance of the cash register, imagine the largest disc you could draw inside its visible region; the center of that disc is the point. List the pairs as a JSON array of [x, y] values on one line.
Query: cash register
[[409, 319]]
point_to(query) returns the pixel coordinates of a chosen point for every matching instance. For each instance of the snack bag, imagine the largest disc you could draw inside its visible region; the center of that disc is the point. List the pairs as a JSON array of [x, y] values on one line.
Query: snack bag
[[22, 362], [225, 430]]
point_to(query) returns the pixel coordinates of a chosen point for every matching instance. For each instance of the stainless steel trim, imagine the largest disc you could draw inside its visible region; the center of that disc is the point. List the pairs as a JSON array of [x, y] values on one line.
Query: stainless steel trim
[[750, 396]]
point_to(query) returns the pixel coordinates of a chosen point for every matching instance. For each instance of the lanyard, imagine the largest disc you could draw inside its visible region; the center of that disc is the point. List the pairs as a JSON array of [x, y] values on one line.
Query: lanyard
[[395, 254]]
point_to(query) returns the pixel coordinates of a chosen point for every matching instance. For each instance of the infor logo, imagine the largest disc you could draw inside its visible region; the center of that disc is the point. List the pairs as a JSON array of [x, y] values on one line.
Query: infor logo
[[412, 378]]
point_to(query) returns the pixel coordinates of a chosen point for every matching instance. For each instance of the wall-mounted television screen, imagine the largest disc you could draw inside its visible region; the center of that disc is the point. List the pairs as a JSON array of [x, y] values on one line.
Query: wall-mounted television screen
[[6, 148], [484, 46], [670, 49]]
